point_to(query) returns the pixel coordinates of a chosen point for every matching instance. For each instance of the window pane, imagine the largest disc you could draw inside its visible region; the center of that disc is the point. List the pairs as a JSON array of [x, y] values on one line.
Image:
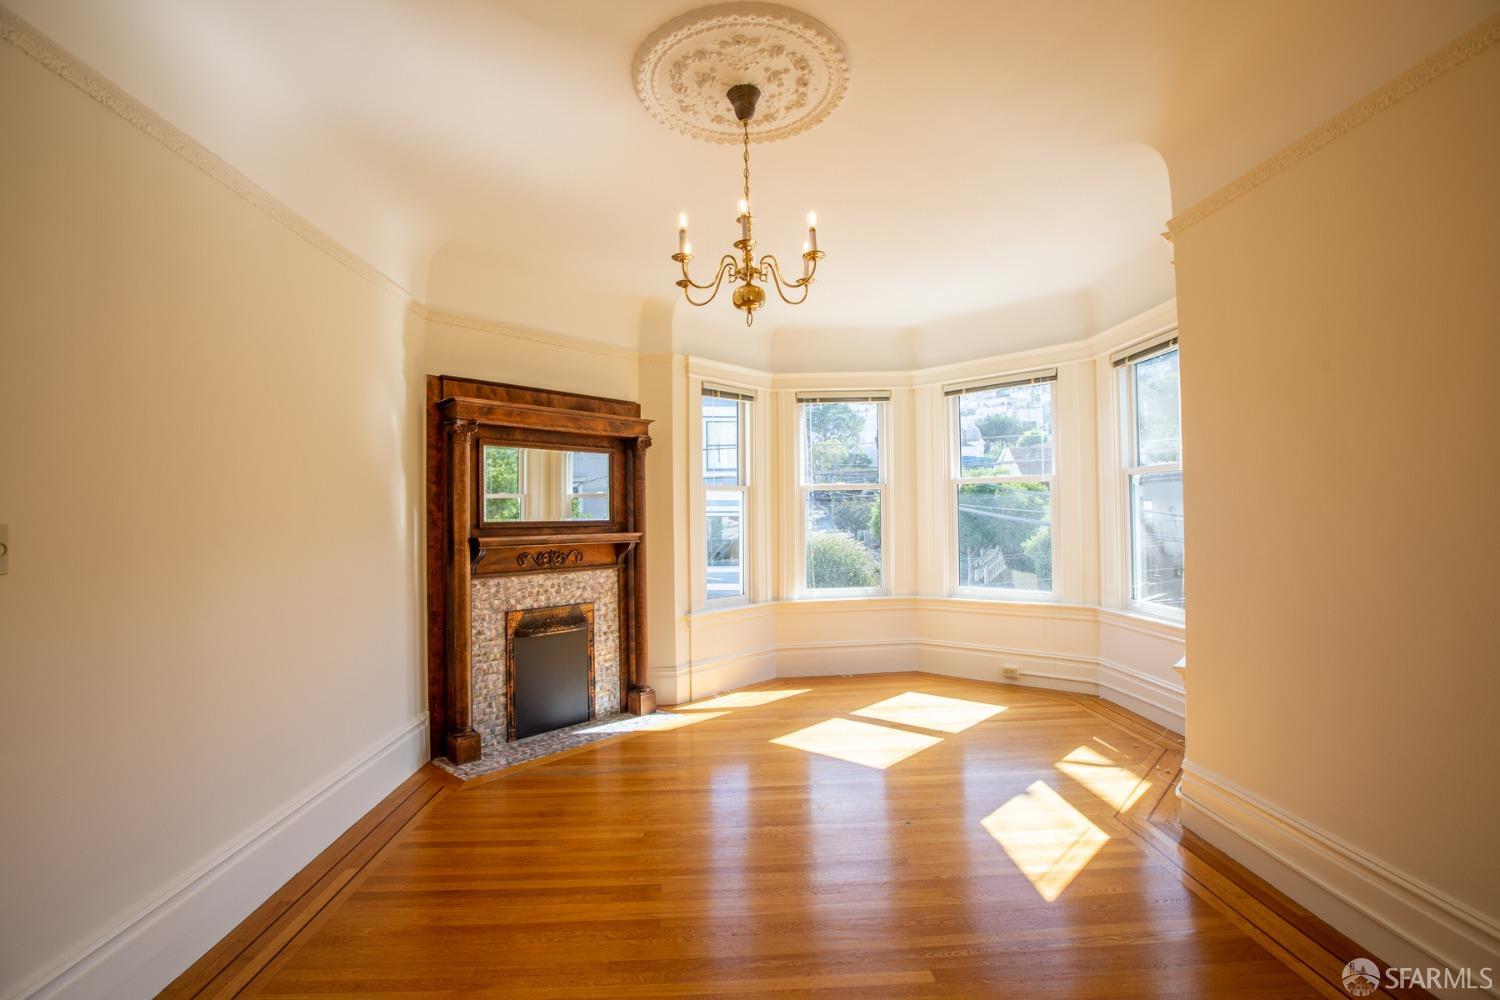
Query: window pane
[[841, 443], [721, 441], [1156, 538], [1158, 423], [843, 539], [502, 509], [1006, 432], [502, 471], [726, 566], [1005, 536], [588, 486]]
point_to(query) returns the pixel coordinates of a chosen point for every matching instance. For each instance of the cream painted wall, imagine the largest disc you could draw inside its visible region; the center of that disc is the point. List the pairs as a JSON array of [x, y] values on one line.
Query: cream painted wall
[[212, 470], [456, 345], [1342, 542]]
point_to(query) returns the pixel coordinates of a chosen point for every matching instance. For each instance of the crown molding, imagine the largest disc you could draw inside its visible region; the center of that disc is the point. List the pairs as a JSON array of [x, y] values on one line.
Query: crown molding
[[438, 316], [27, 39], [1451, 56]]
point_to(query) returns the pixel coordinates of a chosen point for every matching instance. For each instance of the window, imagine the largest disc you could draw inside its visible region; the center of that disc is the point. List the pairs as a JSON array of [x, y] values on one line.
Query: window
[[1002, 468], [726, 454], [842, 479], [1153, 475]]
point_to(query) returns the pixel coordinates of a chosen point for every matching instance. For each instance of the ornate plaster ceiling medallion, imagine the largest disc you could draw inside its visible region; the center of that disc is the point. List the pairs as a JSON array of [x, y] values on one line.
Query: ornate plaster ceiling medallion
[[684, 69]]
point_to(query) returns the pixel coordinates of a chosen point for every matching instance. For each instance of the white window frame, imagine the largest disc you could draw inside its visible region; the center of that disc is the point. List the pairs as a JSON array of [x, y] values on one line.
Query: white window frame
[[520, 497], [1130, 471], [956, 479], [746, 416], [882, 401]]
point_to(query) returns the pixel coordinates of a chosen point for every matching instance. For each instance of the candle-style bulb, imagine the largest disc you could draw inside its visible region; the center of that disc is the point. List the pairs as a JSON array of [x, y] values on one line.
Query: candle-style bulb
[[812, 220], [681, 220], [812, 231], [682, 243], [744, 207]]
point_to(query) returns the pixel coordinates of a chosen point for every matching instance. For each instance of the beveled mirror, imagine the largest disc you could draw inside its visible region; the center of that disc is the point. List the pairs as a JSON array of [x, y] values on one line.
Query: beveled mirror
[[542, 484]]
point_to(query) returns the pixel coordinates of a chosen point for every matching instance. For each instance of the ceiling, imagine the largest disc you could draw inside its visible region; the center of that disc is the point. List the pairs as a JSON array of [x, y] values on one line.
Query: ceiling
[[492, 156]]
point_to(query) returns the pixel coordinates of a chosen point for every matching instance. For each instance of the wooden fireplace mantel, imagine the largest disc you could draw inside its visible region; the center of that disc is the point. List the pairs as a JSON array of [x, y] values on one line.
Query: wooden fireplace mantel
[[462, 416], [529, 553]]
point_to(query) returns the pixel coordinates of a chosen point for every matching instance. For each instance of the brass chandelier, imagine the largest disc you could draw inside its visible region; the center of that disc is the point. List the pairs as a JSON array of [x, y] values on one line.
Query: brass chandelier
[[743, 270]]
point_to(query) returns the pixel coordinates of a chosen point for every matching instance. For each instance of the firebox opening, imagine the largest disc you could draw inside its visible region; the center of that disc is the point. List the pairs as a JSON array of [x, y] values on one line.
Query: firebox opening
[[551, 675]]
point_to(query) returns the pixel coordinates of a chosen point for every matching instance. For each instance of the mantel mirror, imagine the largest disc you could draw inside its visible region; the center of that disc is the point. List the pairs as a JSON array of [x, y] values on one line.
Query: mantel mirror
[[523, 483]]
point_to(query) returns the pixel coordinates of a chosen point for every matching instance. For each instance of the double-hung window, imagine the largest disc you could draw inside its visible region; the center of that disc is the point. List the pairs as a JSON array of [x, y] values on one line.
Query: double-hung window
[[1001, 480], [726, 480], [842, 483], [1152, 445]]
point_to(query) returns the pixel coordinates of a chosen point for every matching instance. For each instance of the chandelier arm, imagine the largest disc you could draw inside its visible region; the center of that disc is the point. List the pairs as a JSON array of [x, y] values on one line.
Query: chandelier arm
[[772, 266], [725, 261], [726, 265]]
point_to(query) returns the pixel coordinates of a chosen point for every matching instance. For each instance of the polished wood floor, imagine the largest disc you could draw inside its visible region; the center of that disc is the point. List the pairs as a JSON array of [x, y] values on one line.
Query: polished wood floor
[[898, 835]]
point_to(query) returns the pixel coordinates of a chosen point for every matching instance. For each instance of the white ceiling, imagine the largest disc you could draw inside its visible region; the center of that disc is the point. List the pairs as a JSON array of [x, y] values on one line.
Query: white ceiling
[[492, 157]]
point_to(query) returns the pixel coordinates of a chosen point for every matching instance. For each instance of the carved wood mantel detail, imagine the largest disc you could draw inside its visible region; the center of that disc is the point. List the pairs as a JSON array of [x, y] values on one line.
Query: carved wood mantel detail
[[550, 558], [463, 416]]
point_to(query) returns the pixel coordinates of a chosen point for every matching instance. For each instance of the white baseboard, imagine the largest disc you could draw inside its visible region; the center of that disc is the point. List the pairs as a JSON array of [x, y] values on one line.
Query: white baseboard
[[836, 658], [145, 953], [1404, 921], [1163, 702]]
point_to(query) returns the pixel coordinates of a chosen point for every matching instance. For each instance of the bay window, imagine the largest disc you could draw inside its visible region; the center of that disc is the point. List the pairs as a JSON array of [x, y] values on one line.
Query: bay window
[[1002, 466], [842, 484], [1152, 445], [726, 458]]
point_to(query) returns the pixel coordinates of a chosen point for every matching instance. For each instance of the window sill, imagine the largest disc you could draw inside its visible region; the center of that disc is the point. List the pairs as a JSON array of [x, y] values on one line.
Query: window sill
[[1154, 613], [840, 595], [1006, 596]]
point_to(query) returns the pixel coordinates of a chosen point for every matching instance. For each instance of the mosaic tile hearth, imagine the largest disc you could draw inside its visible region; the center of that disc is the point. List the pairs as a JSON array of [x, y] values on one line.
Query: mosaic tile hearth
[[493, 596], [495, 756]]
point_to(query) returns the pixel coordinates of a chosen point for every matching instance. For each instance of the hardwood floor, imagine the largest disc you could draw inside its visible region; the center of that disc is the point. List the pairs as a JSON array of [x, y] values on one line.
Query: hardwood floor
[[897, 835]]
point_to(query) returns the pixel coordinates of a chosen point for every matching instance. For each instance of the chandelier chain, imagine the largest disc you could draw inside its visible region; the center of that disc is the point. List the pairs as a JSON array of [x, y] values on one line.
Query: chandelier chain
[[746, 123]]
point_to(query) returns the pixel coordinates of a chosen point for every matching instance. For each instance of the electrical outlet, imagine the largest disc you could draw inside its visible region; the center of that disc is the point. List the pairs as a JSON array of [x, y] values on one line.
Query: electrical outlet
[[1010, 673]]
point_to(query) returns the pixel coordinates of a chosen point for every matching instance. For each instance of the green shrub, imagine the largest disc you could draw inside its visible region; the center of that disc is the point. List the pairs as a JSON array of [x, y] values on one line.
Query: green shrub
[[835, 560]]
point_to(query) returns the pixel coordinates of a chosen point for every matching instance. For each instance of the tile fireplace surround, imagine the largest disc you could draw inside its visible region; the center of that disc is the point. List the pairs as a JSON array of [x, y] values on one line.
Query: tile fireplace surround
[[494, 596]]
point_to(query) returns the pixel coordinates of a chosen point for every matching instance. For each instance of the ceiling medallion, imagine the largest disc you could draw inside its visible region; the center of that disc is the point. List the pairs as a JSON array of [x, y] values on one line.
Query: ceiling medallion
[[779, 73], [685, 67]]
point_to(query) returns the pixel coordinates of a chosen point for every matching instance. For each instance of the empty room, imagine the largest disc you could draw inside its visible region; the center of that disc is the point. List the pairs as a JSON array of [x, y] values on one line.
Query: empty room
[[858, 499]]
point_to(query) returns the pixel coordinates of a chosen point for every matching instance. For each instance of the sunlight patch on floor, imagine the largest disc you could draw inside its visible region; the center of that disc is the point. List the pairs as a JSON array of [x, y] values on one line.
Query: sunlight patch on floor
[[1046, 838], [740, 699], [930, 711], [1118, 786], [858, 742], [656, 722]]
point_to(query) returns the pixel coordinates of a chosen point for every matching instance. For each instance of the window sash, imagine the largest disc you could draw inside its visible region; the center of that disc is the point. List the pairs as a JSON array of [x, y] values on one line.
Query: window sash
[[1132, 470], [880, 443], [743, 493], [707, 483], [805, 489], [957, 481]]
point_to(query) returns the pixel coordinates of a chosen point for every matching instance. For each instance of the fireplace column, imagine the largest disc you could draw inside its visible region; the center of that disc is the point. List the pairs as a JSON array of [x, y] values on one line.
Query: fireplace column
[[642, 697], [462, 742]]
